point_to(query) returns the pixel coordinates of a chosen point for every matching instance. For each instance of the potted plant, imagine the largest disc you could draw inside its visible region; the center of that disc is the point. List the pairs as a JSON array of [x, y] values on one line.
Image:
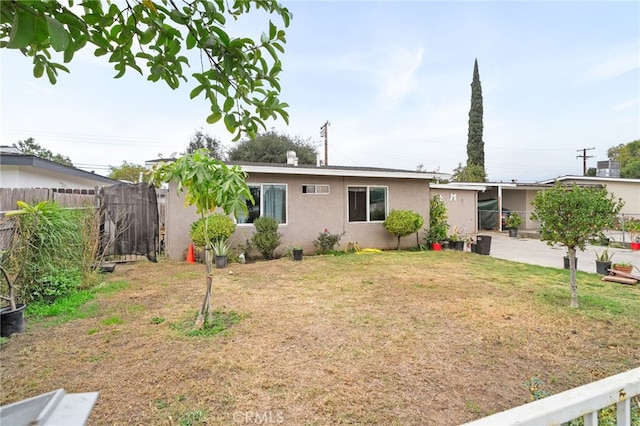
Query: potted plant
[[626, 267], [221, 250], [603, 262], [456, 240], [438, 226], [513, 221], [296, 252], [633, 229]]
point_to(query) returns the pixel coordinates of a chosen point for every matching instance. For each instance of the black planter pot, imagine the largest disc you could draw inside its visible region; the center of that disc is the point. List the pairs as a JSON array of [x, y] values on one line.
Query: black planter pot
[[297, 254], [602, 268], [513, 232], [474, 248], [11, 321], [566, 262], [446, 245], [458, 245], [221, 262]]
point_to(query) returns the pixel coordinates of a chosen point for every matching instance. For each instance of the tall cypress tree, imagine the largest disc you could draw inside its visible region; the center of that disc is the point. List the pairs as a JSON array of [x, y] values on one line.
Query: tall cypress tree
[[475, 145]]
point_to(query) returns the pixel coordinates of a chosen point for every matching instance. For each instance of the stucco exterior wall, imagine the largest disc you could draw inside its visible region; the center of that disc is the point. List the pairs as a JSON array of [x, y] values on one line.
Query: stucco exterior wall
[[628, 191], [462, 207], [309, 214]]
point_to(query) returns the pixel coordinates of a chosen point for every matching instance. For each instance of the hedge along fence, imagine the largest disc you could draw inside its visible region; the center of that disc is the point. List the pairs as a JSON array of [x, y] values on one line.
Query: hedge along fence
[[51, 248]]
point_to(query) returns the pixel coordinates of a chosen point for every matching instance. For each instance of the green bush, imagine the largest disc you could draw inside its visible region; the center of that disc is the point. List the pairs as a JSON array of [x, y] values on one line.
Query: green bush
[[219, 227], [326, 241], [401, 223], [54, 252], [266, 238], [438, 226]]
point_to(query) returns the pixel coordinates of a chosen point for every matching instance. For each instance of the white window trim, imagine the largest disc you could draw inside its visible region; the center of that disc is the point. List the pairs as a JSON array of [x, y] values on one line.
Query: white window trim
[[386, 203], [286, 201]]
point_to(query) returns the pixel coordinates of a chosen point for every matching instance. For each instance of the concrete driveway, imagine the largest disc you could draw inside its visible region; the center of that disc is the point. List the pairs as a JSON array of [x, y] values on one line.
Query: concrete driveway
[[536, 252]]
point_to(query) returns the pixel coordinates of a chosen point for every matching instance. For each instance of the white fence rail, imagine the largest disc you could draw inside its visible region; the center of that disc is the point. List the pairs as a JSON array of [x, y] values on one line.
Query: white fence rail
[[583, 401]]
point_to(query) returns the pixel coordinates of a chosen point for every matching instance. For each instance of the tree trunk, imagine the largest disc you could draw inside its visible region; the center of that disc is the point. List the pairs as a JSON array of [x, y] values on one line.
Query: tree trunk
[[205, 309], [572, 277]]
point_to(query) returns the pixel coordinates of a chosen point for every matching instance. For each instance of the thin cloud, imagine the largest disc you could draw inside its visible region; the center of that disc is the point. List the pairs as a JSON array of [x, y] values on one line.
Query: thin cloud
[[614, 64]]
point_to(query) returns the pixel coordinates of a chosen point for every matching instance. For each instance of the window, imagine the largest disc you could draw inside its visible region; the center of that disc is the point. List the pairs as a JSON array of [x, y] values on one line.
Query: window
[[367, 203], [270, 201], [315, 189]]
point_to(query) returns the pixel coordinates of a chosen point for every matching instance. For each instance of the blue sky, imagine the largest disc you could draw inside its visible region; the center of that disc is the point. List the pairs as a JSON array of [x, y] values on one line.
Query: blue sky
[[393, 79]]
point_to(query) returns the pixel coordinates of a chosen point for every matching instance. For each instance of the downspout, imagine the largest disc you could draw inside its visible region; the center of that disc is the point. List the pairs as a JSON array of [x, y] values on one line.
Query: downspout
[[500, 208]]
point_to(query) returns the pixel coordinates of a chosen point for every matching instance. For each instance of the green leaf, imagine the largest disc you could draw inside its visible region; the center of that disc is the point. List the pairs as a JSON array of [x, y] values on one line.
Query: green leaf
[[230, 123], [191, 41], [195, 92], [22, 31], [228, 104], [38, 70], [51, 73], [57, 34], [214, 118]]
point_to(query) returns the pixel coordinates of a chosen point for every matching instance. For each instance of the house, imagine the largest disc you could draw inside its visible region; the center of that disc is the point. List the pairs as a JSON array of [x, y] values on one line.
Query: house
[[627, 189], [19, 171], [28, 171], [517, 197], [306, 200]]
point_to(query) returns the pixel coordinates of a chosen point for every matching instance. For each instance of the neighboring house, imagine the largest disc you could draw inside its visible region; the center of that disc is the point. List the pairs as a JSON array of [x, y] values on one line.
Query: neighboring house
[[627, 189], [22, 171], [28, 171], [306, 200], [517, 196]]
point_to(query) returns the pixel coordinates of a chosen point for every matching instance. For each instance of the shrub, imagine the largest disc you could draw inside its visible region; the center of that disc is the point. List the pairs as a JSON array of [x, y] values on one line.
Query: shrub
[[438, 226], [513, 221], [266, 238], [326, 241], [54, 252], [401, 223], [219, 227]]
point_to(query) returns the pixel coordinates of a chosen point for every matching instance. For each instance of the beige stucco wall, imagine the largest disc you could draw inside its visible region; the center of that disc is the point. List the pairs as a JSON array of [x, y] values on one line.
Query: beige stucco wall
[[310, 214], [629, 191], [462, 207]]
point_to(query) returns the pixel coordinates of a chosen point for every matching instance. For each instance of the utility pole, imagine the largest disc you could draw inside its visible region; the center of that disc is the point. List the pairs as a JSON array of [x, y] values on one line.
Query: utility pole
[[324, 132], [584, 157]]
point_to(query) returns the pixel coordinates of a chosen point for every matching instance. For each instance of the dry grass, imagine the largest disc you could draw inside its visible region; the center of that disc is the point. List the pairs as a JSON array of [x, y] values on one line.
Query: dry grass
[[392, 338]]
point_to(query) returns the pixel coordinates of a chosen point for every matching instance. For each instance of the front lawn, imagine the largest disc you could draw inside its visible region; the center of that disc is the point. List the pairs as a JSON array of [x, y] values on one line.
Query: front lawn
[[390, 338]]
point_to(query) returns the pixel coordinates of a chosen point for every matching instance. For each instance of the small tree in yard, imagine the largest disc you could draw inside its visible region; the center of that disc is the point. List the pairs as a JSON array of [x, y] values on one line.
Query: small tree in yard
[[402, 223], [209, 184], [572, 215]]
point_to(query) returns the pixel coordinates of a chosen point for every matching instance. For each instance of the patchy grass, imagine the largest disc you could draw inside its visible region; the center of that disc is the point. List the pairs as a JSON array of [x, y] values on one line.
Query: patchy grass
[[389, 338]]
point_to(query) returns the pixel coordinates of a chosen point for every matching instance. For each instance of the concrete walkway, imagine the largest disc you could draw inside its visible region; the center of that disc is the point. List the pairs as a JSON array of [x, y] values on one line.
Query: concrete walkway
[[536, 252]]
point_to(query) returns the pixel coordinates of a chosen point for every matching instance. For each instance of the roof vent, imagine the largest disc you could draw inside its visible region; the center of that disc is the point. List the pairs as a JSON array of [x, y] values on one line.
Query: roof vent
[[291, 158]]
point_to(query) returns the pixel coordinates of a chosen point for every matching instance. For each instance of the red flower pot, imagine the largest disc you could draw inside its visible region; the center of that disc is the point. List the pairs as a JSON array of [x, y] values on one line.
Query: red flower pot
[[635, 246], [436, 246]]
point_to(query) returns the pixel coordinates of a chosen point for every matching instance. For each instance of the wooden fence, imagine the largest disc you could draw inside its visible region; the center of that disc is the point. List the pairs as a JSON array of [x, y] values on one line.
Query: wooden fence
[[64, 197]]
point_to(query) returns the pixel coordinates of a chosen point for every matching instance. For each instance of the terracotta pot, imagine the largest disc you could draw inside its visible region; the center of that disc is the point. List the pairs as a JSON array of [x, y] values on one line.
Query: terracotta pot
[[622, 268]]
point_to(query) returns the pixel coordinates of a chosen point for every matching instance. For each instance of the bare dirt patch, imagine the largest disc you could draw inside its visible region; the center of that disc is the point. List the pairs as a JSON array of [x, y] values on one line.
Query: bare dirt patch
[[412, 338]]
